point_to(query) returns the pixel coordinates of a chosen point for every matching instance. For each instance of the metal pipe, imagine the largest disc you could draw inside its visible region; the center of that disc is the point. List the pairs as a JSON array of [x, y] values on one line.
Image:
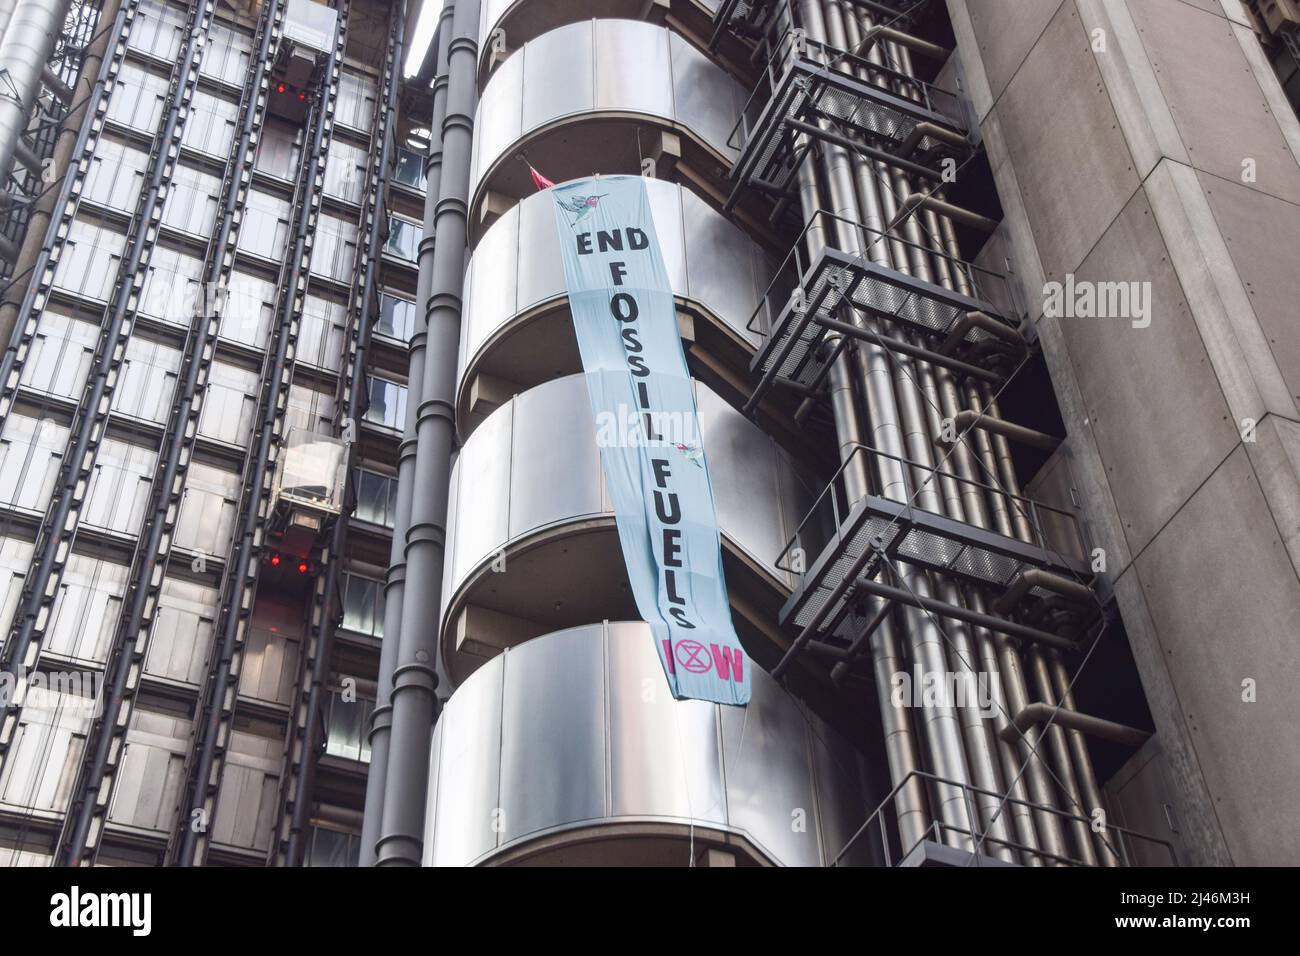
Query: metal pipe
[[25, 155], [924, 47], [35, 241], [914, 351], [969, 418], [1009, 671], [415, 675], [923, 129], [56, 86], [915, 201], [900, 739], [977, 319], [872, 152], [958, 613], [1106, 853], [1040, 713], [942, 723], [1069, 783], [6, 14], [838, 185], [25, 49], [1039, 578], [395, 580]]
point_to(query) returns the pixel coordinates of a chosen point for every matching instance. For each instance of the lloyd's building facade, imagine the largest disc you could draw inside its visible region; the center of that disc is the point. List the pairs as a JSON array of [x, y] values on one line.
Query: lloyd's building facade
[[930, 470], [986, 312]]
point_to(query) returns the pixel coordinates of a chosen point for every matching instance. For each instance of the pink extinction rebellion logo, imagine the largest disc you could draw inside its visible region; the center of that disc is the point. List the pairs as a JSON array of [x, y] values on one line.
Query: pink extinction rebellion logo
[[694, 657]]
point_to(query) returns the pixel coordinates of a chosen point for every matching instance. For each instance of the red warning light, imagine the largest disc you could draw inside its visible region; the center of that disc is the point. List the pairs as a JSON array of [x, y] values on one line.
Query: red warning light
[[302, 567], [302, 97], [275, 560]]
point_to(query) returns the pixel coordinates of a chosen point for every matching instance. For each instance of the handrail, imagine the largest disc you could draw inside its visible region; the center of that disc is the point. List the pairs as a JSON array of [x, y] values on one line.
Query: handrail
[[834, 60], [985, 284], [1031, 509], [939, 828]]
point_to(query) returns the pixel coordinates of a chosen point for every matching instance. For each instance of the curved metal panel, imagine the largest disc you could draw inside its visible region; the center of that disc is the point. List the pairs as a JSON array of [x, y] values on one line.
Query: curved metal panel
[[603, 66], [559, 78], [534, 462], [553, 479], [744, 470], [552, 743], [726, 270], [482, 479], [770, 791], [664, 756], [837, 771], [516, 267], [666, 200], [522, 20], [705, 98], [465, 811], [577, 728], [626, 57], [491, 292], [498, 121], [541, 270]]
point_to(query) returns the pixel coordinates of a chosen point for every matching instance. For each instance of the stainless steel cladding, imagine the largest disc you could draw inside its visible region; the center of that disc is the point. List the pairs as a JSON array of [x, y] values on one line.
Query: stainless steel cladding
[[613, 67], [560, 736], [534, 465], [516, 271]]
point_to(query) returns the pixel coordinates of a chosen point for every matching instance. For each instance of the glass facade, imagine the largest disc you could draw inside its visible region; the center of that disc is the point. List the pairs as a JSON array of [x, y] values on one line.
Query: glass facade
[[126, 452]]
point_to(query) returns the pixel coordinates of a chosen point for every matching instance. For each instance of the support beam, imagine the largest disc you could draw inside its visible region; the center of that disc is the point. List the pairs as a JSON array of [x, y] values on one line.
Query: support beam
[[1040, 713], [970, 418], [936, 205], [966, 615]]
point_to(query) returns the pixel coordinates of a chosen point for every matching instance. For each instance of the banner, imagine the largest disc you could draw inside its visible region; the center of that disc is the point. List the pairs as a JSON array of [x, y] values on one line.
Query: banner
[[648, 432]]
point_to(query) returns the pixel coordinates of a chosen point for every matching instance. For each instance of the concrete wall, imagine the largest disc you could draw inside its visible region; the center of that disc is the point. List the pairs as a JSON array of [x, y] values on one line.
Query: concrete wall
[[1118, 130]]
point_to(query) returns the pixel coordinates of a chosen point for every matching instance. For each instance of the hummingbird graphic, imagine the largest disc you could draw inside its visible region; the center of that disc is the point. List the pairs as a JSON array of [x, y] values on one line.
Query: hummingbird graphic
[[580, 206], [693, 453]]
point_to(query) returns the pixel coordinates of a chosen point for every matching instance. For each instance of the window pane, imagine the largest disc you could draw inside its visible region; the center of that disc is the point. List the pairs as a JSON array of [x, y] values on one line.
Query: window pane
[[387, 403], [403, 238], [410, 168], [396, 318], [363, 605]]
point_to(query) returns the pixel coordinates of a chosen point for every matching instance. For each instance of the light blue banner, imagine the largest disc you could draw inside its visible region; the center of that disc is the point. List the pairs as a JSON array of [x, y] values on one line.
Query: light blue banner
[[649, 434]]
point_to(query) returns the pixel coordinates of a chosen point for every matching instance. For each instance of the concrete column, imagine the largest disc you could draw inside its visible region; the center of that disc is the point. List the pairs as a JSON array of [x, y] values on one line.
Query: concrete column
[[415, 678]]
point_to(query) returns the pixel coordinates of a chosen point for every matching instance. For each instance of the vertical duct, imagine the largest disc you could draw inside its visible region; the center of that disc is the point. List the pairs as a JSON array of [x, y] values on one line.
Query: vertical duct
[[25, 48], [395, 580], [414, 703], [65, 147]]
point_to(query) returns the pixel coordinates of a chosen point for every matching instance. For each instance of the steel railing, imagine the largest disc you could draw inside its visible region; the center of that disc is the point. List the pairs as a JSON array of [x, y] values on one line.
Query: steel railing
[[1120, 840]]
